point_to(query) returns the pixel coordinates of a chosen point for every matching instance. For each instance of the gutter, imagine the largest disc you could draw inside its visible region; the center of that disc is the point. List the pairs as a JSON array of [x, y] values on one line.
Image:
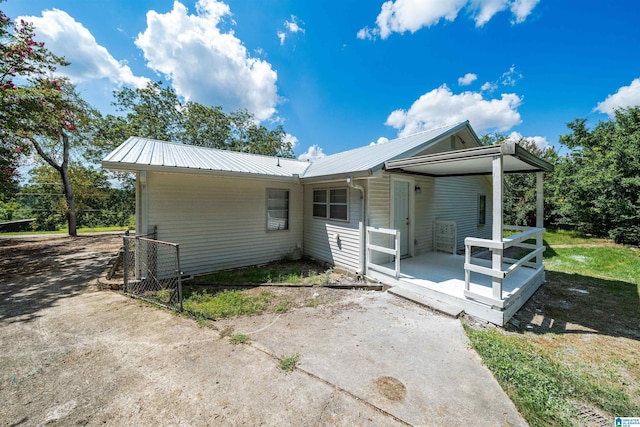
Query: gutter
[[134, 167], [363, 227]]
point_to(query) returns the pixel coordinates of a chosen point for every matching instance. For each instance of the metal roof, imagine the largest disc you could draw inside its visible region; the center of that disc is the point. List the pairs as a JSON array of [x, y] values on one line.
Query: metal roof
[[472, 161], [149, 154], [369, 159]]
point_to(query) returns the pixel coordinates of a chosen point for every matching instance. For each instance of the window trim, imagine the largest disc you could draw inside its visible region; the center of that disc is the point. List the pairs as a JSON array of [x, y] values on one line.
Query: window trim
[[288, 209], [327, 204], [482, 209]]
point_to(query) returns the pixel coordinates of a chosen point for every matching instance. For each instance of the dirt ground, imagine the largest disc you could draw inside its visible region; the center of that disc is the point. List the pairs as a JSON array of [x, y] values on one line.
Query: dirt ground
[[75, 355]]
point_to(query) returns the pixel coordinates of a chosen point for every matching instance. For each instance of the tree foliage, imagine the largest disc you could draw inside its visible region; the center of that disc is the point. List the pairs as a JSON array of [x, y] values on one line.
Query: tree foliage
[[598, 184], [97, 202], [37, 111], [519, 203], [24, 86], [156, 112]]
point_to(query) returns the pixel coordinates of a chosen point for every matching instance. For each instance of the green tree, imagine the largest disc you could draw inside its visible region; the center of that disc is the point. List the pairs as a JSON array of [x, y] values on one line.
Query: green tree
[[206, 126], [24, 64], [156, 112], [598, 188], [38, 112], [519, 203], [9, 159], [97, 202]]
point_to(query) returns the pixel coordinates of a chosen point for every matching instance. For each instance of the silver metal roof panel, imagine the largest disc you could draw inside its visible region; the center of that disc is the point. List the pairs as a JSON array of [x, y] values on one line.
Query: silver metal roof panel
[[142, 153], [373, 157]]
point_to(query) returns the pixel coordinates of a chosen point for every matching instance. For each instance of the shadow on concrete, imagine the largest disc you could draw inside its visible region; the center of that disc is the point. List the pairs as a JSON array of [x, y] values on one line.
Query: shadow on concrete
[[38, 271]]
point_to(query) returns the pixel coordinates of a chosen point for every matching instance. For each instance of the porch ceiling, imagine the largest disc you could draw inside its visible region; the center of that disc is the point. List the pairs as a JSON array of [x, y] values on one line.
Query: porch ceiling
[[472, 161]]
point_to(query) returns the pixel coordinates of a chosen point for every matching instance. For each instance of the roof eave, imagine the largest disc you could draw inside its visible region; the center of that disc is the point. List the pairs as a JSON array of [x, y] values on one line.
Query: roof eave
[[505, 149], [429, 142], [338, 176], [527, 157], [135, 167]]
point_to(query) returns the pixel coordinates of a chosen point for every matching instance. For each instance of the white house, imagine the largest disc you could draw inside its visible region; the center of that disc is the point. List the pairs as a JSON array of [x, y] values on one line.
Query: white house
[[408, 213]]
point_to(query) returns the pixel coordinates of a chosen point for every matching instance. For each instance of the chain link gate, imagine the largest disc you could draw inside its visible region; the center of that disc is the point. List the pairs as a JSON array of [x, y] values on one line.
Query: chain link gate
[[152, 271]]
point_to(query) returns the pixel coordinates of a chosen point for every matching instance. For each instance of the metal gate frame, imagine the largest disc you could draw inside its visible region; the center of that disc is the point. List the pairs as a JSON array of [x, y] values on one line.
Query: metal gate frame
[[152, 271]]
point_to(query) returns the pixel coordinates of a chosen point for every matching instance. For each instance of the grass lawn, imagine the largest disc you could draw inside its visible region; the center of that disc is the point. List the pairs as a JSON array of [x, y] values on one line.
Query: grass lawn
[[574, 359], [65, 231]]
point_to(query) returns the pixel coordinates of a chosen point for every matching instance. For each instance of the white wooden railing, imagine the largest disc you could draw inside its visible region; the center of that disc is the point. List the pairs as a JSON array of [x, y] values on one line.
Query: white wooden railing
[[497, 272], [376, 248]]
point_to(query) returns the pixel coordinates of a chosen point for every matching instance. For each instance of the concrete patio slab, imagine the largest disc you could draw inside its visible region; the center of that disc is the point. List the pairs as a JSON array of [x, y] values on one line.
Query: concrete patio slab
[[409, 362]]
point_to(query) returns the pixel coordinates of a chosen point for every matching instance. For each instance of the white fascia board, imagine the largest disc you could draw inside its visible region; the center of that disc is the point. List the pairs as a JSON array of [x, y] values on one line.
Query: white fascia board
[[132, 167]]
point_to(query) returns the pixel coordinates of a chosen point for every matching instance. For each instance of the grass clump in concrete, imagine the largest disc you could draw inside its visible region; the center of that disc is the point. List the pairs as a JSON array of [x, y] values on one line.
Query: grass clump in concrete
[[238, 339], [289, 363]]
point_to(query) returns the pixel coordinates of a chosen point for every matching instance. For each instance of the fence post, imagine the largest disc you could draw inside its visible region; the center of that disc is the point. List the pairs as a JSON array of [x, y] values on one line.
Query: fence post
[[125, 259], [179, 276]]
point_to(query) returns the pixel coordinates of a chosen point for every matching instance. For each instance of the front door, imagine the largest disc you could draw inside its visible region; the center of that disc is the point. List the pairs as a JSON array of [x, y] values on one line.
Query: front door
[[401, 217]]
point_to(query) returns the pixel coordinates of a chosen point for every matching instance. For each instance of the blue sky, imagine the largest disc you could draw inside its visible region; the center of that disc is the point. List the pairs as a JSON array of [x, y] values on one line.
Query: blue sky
[[342, 74]]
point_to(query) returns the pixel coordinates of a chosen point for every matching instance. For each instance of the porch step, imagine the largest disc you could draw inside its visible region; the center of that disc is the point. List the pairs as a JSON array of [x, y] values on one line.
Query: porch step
[[439, 306]]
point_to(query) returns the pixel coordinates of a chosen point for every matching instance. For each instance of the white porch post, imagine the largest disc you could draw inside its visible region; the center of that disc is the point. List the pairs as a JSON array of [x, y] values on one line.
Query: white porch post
[[539, 212], [496, 257]]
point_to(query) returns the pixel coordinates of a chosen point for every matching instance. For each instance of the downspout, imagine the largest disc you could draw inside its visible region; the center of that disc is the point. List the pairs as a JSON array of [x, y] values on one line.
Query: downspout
[[363, 227]]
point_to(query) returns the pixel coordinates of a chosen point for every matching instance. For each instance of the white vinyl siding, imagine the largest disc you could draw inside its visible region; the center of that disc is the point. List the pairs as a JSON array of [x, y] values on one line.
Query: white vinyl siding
[[456, 199], [219, 222], [379, 209], [334, 241], [424, 215], [378, 198], [445, 198]]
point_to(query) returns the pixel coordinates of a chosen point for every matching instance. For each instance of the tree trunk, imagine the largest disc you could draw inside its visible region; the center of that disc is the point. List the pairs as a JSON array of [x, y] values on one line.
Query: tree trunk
[[67, 189], [63, 170]]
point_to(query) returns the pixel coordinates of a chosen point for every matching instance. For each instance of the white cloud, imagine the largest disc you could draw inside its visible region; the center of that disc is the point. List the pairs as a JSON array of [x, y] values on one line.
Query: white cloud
[[521, 9], [399, 16], [508, 78], [381, 140], [488, 87], [67, 37], [467, 79], [313, 152], [540, 141], [282, 36], [511, 77], [485, 9], [441, 106], [205, 64], [625, 97], [292, 27], [290, 139], [365, 34]]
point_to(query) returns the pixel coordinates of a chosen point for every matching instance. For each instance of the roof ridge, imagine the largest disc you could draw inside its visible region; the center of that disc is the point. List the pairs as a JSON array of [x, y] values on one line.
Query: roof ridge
[[452, 125], [448, 125]]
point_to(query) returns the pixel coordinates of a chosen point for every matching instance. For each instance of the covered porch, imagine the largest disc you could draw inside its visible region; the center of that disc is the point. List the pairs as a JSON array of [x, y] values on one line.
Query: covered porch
[[492, 287]]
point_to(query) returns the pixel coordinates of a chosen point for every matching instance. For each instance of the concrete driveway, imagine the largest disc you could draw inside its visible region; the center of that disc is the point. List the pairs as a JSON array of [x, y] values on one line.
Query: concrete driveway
[[72, 354]]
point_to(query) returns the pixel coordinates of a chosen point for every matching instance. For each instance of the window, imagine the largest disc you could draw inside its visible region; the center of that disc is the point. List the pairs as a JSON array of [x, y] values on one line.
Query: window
[[277, 210], [331, 204], [482, 209]]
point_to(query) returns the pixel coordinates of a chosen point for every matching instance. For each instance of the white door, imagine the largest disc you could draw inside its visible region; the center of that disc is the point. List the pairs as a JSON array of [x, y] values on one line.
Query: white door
[[401, 218]]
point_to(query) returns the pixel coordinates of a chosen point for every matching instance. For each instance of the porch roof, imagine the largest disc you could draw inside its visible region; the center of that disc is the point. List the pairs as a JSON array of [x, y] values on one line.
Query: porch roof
[[472, 161]]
